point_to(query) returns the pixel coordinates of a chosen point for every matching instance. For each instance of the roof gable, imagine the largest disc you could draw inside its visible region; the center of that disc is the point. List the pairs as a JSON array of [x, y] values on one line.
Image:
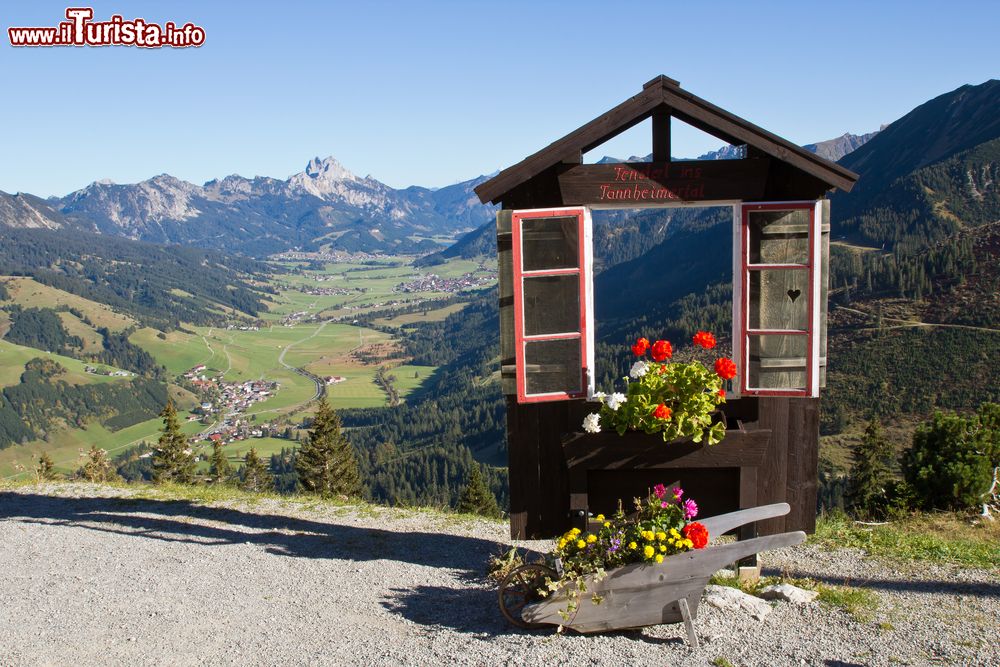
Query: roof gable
[[664, 95]]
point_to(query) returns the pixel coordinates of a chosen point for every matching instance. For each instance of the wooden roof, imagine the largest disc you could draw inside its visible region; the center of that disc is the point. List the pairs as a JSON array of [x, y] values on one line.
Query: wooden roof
[[664, 94]]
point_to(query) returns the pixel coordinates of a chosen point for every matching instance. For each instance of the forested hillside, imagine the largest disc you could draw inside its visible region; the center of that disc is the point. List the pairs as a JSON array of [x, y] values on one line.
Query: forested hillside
[[423, 450], [159, 286]]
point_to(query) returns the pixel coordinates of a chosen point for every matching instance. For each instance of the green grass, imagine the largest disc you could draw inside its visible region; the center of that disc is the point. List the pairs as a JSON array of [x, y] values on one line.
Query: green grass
[[236, 451], [31, 294], [857, 602], [937, 538], [64, 446], [14, 357]]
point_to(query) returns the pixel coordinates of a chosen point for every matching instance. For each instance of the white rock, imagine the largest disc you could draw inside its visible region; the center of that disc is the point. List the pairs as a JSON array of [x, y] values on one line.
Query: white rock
[[731, 599], [788, 593]]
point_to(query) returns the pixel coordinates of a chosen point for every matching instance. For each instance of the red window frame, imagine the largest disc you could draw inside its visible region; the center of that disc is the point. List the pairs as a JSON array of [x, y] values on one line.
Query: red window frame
[[811, 332], [585, 332]]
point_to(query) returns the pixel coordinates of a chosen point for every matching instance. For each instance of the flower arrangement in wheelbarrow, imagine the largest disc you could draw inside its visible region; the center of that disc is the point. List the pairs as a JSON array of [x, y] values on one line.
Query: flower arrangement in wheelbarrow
[[660, 526], [676, 399]]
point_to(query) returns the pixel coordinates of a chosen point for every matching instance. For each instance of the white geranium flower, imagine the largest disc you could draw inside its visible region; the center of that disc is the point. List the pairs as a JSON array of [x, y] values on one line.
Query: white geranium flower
[[592, 423], [639, 369], [598, 396], [615, 400]]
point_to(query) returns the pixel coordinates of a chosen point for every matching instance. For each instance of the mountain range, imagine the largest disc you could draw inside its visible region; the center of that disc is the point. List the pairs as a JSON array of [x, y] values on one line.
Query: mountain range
[[325, 205]]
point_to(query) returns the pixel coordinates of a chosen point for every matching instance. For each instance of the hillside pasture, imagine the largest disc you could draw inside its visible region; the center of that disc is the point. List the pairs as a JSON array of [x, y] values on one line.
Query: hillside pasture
[[31, 294], [65, 445], [14, 357]]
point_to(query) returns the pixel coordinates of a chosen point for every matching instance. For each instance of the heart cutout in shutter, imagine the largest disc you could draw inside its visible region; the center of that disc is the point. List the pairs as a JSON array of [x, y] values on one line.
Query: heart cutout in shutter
[[794, 294]]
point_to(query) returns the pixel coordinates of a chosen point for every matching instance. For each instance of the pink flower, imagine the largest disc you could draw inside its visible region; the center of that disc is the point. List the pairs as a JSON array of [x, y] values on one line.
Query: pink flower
[[659, 491], [678, 492], [690, 509], [664, 504]]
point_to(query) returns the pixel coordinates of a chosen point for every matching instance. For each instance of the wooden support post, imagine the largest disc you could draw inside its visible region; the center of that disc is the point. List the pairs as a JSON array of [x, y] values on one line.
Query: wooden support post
[[688, 622], [661, 135]]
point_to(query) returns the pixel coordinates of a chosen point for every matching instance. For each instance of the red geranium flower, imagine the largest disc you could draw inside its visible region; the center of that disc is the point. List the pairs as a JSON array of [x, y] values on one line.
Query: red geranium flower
[[640, 347], [697, 533], [662, 412], [704, 339], [662, 350], [725, 368], [721, 393]]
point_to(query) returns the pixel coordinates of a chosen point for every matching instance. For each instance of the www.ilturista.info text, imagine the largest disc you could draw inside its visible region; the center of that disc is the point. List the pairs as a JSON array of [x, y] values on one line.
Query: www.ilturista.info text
[[81, 30]]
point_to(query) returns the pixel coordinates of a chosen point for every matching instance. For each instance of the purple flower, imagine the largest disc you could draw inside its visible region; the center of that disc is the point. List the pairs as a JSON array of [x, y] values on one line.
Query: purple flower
[[659, 491], [690, 509], [615, 545]]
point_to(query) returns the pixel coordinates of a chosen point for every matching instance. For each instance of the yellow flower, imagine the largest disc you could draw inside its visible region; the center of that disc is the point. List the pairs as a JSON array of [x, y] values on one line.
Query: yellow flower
[[674, 533], [633, 546], [575, 531], [591, 538], [659, 559], [661, 536], [648, 551], [689, 544], [600, 517], [562, 543], [648, 535], [663, 549], [607, 524], [580, 544]]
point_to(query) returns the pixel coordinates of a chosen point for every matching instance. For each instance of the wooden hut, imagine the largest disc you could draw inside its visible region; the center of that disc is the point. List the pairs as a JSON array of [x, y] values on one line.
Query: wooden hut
[[777, 192]]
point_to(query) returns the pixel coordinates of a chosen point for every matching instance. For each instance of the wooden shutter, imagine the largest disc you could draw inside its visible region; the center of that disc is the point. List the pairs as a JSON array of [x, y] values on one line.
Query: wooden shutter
[[780, 329], [553, 303]]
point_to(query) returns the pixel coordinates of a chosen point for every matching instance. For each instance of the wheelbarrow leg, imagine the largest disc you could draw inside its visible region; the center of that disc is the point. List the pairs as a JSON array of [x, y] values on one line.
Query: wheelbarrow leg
[[688, 622]]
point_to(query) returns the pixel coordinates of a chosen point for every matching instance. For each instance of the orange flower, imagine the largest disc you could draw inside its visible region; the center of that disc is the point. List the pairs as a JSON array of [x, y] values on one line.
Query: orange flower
[[705, 339], [725, 368], [640, 347], [697, 533], [662, 412], [662, 350]]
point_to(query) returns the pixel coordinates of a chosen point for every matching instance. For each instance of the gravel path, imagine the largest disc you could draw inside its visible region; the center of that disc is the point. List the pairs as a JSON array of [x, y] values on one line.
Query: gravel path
[[91, 576]]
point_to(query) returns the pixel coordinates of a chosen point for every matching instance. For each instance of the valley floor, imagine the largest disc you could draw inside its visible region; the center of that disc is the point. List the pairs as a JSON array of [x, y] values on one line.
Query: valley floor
[[126, 576]]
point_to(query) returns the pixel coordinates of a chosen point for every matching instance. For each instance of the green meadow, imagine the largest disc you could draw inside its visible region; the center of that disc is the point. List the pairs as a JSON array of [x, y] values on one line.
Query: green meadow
[[271, 353]]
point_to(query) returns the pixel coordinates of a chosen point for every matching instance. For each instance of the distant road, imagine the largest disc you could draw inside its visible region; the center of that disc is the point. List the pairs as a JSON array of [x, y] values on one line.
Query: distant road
[[903, 324]]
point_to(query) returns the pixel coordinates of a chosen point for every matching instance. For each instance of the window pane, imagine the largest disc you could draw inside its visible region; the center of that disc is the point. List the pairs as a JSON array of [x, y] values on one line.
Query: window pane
[[779, 299], [777, 362], [553, 366], [551, 304], [550, 243], [779, 237]]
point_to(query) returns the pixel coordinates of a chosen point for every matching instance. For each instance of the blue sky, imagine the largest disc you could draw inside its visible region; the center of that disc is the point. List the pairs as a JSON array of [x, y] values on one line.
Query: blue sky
[[432, 93]]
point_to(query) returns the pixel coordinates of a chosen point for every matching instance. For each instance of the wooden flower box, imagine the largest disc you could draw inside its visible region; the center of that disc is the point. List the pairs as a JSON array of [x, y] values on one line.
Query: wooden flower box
[[741, 450]]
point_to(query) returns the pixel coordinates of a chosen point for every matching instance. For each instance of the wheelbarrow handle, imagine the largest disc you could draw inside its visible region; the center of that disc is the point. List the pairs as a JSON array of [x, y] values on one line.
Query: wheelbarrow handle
[[723, 523]]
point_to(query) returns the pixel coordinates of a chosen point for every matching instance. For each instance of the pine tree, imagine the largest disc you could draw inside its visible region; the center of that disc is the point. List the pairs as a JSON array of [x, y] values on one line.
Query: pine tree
[[325, 462], [219, 467], [476, 498], [97, 467], [46, 468], [173, 460], [870, 474], [255, 476]]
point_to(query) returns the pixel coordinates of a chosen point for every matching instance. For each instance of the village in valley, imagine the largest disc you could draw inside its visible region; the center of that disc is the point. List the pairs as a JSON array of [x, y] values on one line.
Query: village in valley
[[224, 404]]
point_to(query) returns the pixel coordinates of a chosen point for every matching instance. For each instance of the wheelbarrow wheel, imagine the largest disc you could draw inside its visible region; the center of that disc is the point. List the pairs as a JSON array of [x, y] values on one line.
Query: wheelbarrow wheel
[[520, 588]]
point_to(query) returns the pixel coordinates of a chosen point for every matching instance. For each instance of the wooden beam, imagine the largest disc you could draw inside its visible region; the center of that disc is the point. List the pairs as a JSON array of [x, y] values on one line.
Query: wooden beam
[[661, 135], [630, 185]]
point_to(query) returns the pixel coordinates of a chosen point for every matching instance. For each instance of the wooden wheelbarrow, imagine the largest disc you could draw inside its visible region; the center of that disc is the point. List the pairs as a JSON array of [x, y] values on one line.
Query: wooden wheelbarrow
[[640, 594]]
